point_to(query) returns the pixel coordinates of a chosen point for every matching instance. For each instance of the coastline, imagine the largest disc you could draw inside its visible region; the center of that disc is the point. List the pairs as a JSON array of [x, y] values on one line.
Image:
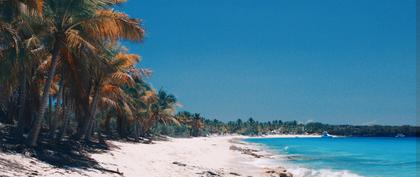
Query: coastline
[[293, 136], [224, 156]]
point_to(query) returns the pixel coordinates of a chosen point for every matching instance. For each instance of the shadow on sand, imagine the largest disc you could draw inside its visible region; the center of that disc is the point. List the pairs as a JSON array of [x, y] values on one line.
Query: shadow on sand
[[69, 154]]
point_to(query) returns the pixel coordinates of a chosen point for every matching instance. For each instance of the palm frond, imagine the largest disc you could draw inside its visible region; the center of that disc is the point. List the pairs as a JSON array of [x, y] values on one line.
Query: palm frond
[[112, 91], [127, 111], [127, 60], [112, 25], [75, 41], [107, 102], [121, 78]]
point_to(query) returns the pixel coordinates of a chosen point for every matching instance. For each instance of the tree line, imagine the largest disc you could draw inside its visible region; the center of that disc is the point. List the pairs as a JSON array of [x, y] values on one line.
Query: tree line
[[251, 127]]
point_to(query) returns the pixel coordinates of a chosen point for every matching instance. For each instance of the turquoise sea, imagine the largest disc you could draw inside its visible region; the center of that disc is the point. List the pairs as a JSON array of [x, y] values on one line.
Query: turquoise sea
[[384, 157]]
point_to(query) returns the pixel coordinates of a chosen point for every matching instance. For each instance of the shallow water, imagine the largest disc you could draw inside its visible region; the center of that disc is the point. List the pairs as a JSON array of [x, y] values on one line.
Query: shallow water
[[385, 157]]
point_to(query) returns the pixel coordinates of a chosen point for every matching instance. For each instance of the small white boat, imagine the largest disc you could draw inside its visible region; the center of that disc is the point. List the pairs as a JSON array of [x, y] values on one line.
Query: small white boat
[[399, 135], [326, 135]]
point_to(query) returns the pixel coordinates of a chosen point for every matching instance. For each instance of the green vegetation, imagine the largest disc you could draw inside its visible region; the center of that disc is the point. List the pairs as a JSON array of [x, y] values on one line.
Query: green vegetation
[[65, 76], [254, 128]]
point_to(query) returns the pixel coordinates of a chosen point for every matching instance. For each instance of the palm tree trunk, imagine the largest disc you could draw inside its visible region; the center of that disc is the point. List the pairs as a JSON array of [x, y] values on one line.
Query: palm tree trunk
[[136, 130], [58, 108], [36, 128], [100, 137], [65, 121], [148, 124], [3, 101], [88, 123], [49, 115], [121, 126], [91, 130], [108, 126], [22, 101], [12, 108]]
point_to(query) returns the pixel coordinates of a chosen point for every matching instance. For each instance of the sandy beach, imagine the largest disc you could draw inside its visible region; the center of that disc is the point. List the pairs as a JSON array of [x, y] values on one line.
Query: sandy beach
[[178, 157]]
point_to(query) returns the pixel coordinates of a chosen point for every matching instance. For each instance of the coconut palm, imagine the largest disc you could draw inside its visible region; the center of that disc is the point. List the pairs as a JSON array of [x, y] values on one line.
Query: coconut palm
[[159, 107], [111, 77]]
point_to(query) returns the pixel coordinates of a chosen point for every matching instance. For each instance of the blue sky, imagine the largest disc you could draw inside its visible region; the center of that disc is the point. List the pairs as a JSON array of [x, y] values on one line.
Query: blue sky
[[333, 61]]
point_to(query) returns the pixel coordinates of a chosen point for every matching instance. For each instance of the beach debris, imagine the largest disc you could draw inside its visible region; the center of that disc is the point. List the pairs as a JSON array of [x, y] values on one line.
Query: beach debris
[[179, 164], [279, 172], [28, 153], [111, 171], [248, 151], [235, 148], [235, 174], [212, 173], [34, 173], [209, 173]]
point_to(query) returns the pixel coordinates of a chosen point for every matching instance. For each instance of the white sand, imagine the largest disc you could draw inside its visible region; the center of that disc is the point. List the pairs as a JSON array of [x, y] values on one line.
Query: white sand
[[153, 160], [156, 160]]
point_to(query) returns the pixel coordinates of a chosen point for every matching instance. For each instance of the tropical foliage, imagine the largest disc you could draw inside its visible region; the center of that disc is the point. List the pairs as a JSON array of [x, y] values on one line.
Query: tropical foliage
[[251, 127], [64, 74]]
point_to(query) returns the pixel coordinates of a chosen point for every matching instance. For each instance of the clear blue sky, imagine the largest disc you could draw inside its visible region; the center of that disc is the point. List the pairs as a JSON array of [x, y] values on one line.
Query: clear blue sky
[[333, 61]]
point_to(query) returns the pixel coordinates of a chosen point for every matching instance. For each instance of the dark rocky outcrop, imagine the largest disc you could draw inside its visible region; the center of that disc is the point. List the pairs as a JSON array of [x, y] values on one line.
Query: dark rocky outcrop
[[278, 172], [248, 151]]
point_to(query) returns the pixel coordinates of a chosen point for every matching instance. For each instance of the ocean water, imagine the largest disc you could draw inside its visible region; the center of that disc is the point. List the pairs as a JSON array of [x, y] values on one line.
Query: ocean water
[[372, 157]]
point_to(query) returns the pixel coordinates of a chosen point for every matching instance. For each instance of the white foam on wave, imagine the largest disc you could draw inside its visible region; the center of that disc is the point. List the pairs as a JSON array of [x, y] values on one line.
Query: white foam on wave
[[307, 172], [299, 170]]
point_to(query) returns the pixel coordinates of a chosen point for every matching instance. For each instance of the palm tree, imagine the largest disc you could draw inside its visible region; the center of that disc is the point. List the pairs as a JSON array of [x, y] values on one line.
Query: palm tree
[[19, 48], [196, 125], [80, 27], [141, 96], [159, 107], [194, 122], [111, 77]]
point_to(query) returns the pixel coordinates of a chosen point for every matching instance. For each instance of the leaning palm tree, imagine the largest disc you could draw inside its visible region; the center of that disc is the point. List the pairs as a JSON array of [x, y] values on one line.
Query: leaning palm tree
[[80, 27]]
